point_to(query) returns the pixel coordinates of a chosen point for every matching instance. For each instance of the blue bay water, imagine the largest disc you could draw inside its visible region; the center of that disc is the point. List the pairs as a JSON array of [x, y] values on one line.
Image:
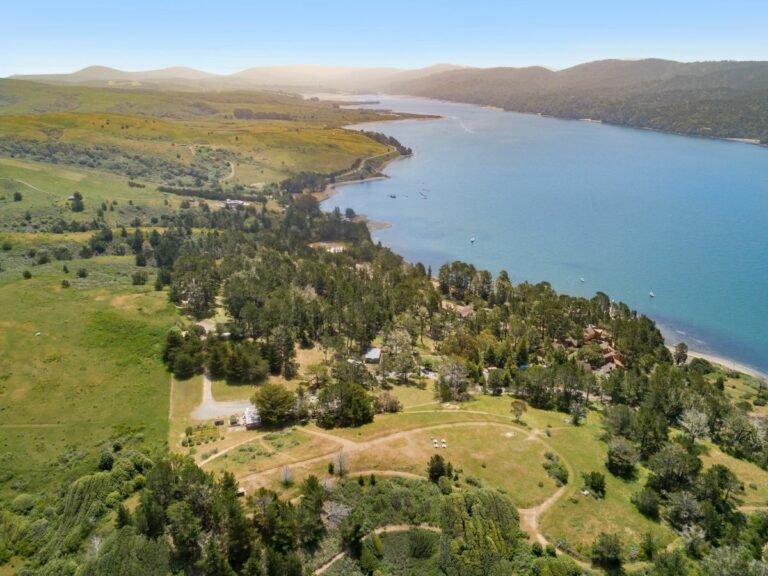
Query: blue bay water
[[630, 211]]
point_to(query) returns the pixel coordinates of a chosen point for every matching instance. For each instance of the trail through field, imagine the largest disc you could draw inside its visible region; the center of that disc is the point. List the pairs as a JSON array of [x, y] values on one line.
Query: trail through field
[[233, 447], [25, 183], [529, 517], [351, 446], [211, 408]]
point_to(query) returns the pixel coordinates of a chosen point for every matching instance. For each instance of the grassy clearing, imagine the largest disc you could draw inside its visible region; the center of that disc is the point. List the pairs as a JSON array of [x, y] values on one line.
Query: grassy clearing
[[576, 519], [499, 457], [78, 366]]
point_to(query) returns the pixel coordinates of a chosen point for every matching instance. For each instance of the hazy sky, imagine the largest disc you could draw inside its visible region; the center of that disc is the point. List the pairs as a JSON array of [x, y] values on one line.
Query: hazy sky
[[226, 36]]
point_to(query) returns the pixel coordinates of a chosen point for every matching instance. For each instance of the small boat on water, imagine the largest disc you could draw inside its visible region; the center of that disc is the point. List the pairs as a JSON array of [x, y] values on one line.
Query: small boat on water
[[472, 240], [581, 280], [651, 294], [393, 196]]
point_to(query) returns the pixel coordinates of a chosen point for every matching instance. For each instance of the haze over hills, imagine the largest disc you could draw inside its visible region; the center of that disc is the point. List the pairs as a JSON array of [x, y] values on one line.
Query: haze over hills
[[726, 99], [292, 77]]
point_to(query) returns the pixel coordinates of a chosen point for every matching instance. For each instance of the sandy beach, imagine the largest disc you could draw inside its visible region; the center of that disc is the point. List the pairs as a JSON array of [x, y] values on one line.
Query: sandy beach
[[726, 363]]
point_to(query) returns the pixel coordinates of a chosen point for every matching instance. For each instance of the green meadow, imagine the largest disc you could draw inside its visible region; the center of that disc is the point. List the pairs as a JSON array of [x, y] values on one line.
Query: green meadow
[[79, 367]]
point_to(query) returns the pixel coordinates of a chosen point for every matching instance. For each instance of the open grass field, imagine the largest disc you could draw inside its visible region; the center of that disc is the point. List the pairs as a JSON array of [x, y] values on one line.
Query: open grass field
[[78, 367], [45, 189]]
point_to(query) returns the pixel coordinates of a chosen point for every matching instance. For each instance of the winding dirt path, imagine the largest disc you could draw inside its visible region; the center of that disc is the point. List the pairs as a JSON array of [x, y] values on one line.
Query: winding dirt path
[[351, 446], [529, 517]]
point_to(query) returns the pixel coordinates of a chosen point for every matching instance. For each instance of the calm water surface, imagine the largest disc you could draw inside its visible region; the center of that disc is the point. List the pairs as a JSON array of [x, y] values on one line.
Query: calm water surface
[[630, 211]]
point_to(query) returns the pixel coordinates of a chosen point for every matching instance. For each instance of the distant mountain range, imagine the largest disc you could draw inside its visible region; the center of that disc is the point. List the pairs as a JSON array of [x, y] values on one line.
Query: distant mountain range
[[287, 77], [721, 99]]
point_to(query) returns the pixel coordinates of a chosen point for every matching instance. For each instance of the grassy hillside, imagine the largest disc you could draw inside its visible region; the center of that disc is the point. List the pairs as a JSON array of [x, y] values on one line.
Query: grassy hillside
[[23, 97], [80, 365]]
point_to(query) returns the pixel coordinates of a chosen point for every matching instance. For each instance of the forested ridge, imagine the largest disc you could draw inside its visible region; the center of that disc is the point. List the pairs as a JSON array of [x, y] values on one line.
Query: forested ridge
[[714, 99]]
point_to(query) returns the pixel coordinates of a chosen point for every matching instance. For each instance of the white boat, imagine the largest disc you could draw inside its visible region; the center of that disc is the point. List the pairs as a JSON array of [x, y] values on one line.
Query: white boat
[[581, 280], [472, 240], [651, 294]]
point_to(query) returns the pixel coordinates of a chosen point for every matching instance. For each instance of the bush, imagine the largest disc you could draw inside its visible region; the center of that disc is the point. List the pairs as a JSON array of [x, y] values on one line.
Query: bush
[[606, 551], [139, 278], [82, 273], [438, 468], [23, 503], [7, 246], [17, 197], [555, 469], [421, 544], [622, 457], [701, 366], [647, 502], [27, 274], [106, 460], [65, 283], [595, 483]]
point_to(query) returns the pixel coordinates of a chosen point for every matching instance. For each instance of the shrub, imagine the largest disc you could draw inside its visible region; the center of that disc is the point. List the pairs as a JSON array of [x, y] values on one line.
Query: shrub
[[444, 483], [555, 469], [421, 544], [438, 468], [139, 278], [82, 273], [595, 483], [648, 545], [647, 502], [106, 460], [606, 551], [65, 283], [23, 503], [7, 246], [622, 457], [27, 274], [17, 197]]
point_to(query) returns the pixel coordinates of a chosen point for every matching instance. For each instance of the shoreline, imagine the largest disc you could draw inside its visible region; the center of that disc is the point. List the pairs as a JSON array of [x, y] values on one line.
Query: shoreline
[[726, 363], [376, 225]]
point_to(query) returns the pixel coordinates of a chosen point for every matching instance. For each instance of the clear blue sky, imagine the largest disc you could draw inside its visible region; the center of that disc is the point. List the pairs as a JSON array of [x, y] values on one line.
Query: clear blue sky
[[65, 35]]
